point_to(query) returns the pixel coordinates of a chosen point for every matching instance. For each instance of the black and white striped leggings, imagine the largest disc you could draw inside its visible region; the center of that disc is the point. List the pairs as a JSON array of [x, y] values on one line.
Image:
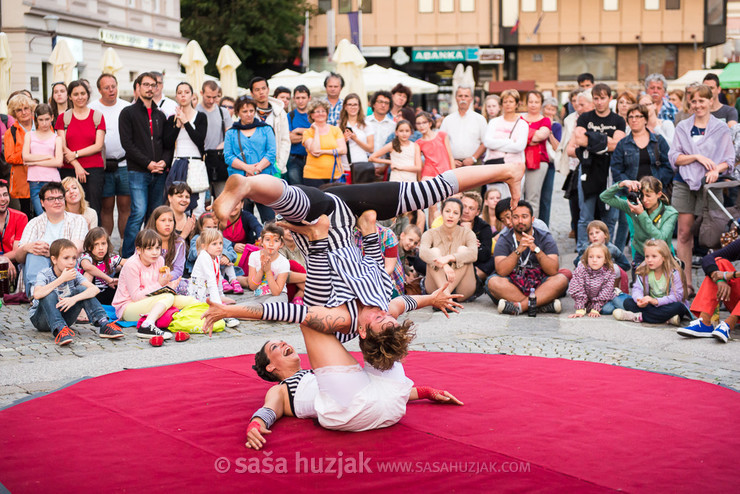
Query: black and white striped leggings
[[388, 199]]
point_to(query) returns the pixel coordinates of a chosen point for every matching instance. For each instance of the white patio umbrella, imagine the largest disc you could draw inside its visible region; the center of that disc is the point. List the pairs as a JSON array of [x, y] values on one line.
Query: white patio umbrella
[[350, 63], [313, 80], [63, 62], [111, 62], [194, 61], [227, 64], [378, 78], [5, 63]]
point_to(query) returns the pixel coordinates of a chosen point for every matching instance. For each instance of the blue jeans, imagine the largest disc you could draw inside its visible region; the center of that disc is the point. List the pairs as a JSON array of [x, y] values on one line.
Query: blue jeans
[[31, 267], [615, 303], [48, 318], [295, 165], [546, 195], [35, 200], [116, 183], [588, 207], [147, 192]]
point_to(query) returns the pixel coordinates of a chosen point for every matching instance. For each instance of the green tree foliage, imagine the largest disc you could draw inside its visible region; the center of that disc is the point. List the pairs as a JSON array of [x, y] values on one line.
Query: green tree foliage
[[260, 31]]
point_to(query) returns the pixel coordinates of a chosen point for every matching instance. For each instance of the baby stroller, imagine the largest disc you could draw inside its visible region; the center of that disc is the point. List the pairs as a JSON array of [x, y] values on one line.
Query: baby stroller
[[718, 225]]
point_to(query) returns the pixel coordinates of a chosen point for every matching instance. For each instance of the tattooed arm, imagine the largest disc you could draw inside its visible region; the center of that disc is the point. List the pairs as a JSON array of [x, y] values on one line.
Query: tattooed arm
[[329, 321]]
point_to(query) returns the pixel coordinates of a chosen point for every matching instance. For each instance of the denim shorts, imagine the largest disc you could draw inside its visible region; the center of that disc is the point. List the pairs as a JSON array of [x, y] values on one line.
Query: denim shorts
[[116, 183]]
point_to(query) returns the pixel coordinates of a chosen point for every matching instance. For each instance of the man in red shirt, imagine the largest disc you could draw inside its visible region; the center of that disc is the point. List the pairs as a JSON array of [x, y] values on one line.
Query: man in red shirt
[[12, 223]]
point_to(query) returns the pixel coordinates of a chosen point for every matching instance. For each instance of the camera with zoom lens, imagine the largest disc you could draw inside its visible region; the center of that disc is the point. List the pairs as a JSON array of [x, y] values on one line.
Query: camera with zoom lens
[[634, 197]]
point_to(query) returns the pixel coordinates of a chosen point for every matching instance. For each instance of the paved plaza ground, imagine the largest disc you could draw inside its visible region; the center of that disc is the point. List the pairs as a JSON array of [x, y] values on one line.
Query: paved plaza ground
[[31, 363]]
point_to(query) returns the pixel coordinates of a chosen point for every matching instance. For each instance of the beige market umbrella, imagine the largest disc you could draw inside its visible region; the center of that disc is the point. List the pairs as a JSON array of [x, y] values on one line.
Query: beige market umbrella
[[63, 62], [227, 64], [5, 62], [194, 61], [111, 62], [350, 63]]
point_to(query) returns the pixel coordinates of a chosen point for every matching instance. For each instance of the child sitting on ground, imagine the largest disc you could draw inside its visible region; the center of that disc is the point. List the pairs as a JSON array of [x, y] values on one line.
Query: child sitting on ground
[[297, 276], [146, 287], [658, 295], [99, 265], [205, 280], [592, 285], [598, 233], [268, 269], [229, 272], [60, 293]]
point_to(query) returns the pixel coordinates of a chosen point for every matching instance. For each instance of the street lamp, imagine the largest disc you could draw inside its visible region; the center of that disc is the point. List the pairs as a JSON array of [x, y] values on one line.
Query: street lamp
[[52, 23]]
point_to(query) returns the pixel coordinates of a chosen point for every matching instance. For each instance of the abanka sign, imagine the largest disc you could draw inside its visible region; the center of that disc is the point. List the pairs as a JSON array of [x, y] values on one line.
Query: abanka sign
[[450, 54]]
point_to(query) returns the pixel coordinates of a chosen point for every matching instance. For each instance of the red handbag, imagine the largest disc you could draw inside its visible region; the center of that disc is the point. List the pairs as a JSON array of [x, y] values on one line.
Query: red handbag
[[532, 153]]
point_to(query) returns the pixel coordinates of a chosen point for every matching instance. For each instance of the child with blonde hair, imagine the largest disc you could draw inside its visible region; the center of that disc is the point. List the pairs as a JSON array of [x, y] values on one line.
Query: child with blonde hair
[[659, 292]]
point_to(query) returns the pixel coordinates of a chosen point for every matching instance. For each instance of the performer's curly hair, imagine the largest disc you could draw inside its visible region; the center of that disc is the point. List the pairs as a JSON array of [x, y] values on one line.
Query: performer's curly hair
[[261, 361], [383, 349]]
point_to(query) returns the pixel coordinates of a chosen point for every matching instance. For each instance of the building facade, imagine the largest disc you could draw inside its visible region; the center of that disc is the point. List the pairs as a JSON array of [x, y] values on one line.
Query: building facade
[[144, 33], [526, 43]]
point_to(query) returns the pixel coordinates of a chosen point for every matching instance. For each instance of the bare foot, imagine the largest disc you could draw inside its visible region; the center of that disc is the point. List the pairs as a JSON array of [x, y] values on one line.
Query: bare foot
[[366, 222], [315, 231], [515, 183], [236, 188]]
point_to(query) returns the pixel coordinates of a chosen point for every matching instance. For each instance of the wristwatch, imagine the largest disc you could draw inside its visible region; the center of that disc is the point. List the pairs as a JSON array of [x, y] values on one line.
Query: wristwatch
[[537, 250], [76, 155], [517, 252]]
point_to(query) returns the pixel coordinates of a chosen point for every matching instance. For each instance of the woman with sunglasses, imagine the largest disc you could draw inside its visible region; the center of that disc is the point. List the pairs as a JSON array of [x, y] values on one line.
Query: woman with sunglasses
[[21, 108]]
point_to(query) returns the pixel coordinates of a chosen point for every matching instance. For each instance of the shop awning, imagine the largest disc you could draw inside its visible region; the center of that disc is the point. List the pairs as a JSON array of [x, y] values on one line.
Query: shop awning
[[690, 77], [521, 86], [730, 77]]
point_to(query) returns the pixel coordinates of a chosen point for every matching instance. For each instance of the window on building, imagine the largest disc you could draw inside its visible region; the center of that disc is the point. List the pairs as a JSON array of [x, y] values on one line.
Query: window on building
[[467, 5], [324, 6], [549, 5], [611, 4], [132, 3], [672, 4], [660, 59], [156, 6], [652, 4], [529, 5], [365, 6], [345, 6], [446, 5], [715, 12], [601, 61], [426, 6], [509, 12]]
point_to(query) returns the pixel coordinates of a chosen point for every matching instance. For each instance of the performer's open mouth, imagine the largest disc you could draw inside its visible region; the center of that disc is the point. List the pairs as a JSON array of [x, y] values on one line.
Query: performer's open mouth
[[288, 350]]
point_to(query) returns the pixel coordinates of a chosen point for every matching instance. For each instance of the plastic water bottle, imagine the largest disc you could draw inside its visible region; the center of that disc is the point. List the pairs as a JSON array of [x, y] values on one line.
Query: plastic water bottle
[[532, 309]]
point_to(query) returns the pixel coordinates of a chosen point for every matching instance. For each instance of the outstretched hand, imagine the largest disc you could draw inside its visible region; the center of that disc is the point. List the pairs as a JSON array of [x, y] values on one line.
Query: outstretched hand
[[445, 301], [438, 395], [215, 313], [255, 439]]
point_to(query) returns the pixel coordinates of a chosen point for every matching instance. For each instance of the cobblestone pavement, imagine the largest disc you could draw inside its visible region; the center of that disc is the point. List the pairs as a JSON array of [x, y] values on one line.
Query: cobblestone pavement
[[30, 363]]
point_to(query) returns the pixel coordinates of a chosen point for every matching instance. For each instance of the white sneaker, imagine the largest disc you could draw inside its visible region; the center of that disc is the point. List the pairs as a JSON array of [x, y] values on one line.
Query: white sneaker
[[625, 315], [675, 320], [231, 322]]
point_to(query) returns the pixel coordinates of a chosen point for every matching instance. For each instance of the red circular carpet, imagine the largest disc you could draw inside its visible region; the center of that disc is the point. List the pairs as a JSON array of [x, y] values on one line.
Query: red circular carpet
[[528, 424]]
